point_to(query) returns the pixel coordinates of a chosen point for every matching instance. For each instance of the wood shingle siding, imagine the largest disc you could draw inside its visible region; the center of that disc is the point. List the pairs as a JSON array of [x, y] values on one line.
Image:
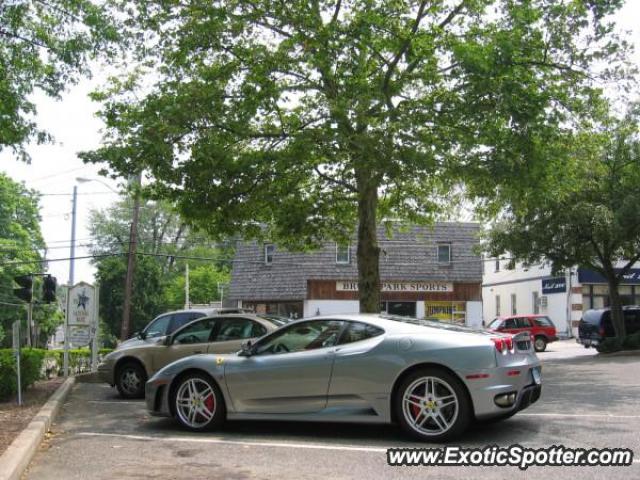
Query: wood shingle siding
[[407, 255]]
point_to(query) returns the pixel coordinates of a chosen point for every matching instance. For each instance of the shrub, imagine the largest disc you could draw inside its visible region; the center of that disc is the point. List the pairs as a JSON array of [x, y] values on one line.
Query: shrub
[[30, 369], [79, 360], [631, 342], [615, 344]]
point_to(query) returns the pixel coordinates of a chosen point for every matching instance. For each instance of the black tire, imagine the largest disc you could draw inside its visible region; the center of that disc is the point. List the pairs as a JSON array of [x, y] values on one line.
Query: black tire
[[459, 422], [130, 380], [214, 403], [540, 343]]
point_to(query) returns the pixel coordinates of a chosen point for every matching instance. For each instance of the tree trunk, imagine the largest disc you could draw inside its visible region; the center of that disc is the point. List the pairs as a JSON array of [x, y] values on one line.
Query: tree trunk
[[368, 250], [617, 315]]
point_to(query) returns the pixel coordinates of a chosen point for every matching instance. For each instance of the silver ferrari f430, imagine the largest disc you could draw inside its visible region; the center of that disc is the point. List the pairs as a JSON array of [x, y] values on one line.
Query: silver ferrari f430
[[432, 378]]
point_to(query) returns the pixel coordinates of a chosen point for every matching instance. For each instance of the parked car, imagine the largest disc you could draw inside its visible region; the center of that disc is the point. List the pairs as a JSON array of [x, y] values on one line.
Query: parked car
[[432, 378], [129, 366], [540, 327], [596, 325], [169, 322]]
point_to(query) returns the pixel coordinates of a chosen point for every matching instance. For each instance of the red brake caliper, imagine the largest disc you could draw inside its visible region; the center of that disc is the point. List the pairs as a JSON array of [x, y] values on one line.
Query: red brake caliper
[[210, 402], [415, 411]]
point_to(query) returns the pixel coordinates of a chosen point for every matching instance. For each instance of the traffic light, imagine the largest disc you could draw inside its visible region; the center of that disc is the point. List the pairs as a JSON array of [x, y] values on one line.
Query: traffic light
[[49, 289], [26, 291]]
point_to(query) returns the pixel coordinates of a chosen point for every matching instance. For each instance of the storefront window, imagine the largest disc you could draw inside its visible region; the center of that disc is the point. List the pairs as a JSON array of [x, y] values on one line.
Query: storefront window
[[405, 309], [597, 296], [446, 311]]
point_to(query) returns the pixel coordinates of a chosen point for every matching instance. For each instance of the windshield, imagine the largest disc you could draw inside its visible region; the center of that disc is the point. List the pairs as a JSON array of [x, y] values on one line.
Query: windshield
[[275, 319], [495, 323]]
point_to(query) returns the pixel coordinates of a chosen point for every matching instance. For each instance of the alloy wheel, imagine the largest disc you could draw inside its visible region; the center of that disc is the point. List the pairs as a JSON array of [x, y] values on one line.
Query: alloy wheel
[[131, 381], [430, 406], [195, 403]]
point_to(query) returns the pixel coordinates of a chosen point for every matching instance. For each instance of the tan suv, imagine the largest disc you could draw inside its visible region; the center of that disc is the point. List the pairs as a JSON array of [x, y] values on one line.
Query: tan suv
[[129, 366]]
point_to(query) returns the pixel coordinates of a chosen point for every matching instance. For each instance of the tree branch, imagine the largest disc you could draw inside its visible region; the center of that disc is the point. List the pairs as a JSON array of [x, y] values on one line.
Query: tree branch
[[405, 45], [336, 12], [335, 181], [449, 18]]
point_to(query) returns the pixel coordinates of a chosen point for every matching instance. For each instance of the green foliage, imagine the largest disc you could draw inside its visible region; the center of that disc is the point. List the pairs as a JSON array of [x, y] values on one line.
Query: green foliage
[[314, 117], [44, 46], [159, 277], [203, 285], [616, 344], [30, 370], [78, 358], [584, 212], [20, 245], [147, 297]]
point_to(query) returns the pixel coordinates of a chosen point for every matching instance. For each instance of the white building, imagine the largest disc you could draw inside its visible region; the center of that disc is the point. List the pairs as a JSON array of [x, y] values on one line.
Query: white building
[[562, 297]]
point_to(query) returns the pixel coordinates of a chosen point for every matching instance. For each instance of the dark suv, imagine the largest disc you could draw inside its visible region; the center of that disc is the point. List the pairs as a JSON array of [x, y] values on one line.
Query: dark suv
[[596, 325]]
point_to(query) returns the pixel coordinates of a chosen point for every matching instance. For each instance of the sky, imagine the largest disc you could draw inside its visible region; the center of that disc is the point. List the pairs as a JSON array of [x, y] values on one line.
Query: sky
[[55, 167]]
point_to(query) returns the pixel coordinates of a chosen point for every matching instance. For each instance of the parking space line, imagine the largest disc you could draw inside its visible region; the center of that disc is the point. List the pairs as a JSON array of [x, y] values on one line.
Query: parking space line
[[586, 415], [119, 402], [220, 441], [309, 446]]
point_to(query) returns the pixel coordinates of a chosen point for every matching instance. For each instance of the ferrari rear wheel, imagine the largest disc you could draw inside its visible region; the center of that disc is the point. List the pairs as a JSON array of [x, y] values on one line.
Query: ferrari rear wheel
[[432, 405], [198, 402]]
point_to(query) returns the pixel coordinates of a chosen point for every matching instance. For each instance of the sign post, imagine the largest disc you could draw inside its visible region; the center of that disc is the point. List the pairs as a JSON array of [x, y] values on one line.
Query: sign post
[[16, 350], [81, 318], [96, 330]]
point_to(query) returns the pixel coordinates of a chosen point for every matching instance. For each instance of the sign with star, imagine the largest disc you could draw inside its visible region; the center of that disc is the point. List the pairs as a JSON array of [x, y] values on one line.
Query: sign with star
[[82, 309]]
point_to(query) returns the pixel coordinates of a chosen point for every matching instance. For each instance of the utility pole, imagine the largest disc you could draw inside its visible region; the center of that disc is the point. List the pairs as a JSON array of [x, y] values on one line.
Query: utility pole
[[131, 261], [30, 327], [72, 250], [186, 287], [72, 254]]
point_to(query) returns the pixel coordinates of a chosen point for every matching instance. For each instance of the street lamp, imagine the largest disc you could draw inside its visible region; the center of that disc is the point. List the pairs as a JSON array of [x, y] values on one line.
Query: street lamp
[[74, 209]]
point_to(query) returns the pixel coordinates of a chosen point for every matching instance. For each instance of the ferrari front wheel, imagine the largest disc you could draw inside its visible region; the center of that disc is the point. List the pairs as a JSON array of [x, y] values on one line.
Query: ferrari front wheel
[[198, 402]]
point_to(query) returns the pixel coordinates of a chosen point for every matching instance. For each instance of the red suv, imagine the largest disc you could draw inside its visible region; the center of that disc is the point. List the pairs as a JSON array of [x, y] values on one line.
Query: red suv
[[540, 327]]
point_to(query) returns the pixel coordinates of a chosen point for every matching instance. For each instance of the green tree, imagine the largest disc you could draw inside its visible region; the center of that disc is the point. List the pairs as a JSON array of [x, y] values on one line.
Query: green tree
[[585, 214], [44, 46], [203, 285], [163, 238], [314, 117], [21, 245], [147, 298]]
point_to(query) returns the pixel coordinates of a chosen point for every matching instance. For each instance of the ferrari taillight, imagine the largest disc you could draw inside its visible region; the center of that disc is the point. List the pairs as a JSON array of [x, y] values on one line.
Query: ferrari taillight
[[503, 344]]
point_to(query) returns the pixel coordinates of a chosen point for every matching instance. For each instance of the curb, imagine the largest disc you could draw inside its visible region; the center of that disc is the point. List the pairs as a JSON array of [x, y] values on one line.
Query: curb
[[16, 458], [89, 377]]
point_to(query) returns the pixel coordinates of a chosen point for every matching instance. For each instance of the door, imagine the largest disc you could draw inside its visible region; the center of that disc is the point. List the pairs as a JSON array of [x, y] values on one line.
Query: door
[[356, 368], [189, 340], [230, 332], [288, 371], [508, 326]]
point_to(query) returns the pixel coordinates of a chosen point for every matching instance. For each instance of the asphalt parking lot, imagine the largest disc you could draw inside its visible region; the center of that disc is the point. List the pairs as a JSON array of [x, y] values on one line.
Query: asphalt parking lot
[[587, 401]]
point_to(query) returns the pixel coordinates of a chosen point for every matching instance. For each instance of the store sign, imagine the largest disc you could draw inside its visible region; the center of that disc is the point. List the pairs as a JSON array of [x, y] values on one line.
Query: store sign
[[589, 276], [554, 285], [400, 286], [82, 309]]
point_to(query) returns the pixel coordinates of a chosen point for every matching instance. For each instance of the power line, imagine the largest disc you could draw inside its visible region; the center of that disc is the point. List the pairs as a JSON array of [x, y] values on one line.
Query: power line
[[79, 193]]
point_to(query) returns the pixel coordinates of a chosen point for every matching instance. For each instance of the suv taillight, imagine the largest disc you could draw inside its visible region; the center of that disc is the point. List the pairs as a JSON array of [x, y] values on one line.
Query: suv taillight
[[601, 332]]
